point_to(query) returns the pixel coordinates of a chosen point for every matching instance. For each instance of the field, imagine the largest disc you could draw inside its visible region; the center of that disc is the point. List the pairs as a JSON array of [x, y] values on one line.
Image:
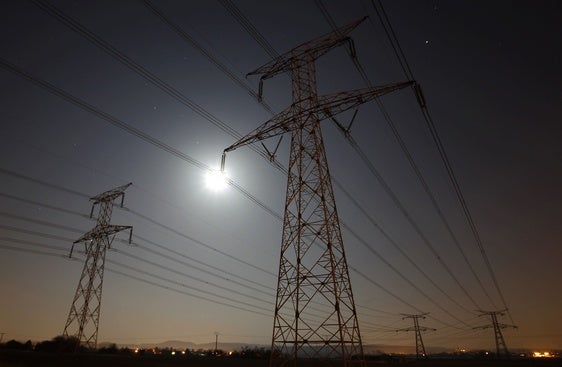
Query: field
[[34, 359]]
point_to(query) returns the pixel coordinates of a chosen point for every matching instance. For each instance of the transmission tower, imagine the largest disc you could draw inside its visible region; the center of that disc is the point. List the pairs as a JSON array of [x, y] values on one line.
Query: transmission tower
[[501, 348], [315, 316], [417, 329], [83, 318]]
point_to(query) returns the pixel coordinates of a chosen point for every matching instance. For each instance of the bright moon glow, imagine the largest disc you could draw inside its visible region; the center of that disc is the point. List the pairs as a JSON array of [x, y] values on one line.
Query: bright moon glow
[[215, 180]]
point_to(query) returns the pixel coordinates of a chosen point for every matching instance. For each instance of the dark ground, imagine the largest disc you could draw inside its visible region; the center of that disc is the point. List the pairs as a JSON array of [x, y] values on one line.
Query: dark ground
[[35, 359]]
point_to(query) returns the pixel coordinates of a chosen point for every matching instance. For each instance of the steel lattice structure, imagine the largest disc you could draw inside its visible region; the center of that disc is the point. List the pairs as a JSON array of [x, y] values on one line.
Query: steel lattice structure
[[501, 347], [315, 316], [417, 329], [83, 318]]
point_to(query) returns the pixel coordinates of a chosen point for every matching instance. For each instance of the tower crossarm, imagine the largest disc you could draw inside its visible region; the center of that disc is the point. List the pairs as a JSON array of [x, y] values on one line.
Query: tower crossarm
[[306, 52], [501, 326], [505, 326], [411, 316], [483, 327], [102, 232], [332, 104], [328, 106], [425, 328], [421, 328], [111, 195], [406, 329], [489, 313]]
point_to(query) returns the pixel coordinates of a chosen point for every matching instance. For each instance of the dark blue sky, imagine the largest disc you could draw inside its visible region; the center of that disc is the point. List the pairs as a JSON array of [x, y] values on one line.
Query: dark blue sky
[[491, 77]]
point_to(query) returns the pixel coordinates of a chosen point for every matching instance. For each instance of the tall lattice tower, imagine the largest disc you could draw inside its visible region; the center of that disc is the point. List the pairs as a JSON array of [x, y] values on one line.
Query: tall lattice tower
[[501, 348], [417, 329], [315, 316], [84, 315]]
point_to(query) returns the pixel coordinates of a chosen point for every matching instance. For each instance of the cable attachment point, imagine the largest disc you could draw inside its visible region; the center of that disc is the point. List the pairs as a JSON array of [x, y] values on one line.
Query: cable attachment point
[[272, 155], [352, 51], [345, 130], [419, 94], [223, 159], [260, 90]]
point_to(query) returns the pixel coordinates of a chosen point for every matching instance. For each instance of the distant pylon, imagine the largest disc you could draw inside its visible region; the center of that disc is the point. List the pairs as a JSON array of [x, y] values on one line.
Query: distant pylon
[[501, 348], [417, 329], [315, 316], [83, 318]]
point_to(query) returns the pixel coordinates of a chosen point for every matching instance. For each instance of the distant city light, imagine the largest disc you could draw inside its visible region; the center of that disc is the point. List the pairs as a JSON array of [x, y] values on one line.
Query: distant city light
[[542, 355]]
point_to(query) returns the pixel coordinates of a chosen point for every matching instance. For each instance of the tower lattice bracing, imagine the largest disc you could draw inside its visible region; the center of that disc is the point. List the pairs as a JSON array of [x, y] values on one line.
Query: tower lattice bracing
[[417, 329], [315, 316], [84, 315], [501, 347]]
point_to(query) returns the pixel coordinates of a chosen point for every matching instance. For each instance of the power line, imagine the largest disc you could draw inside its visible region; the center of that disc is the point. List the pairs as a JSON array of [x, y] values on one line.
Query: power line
[[386, 187], [136, 236], [129, 63], [128, 128], [417, 171], [233, 10], [65, 239], [440, 147], [213, 59], [139, 69], [64, 256], [248, 26], [177, 253], [397, 247], [197, 279], [45, 235], [378, 285], [108, 48], [392, 36], [31, 202], [201, 243], [136, 269], [45, 223]]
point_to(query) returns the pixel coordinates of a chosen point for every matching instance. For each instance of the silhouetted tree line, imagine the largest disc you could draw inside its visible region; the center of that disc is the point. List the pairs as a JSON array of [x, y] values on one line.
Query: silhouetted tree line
[[15, 345], [70, 344], [59, 344]]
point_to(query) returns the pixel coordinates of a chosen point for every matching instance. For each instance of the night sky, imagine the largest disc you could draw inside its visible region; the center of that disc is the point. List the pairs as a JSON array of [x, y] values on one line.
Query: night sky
[[130, 100]]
